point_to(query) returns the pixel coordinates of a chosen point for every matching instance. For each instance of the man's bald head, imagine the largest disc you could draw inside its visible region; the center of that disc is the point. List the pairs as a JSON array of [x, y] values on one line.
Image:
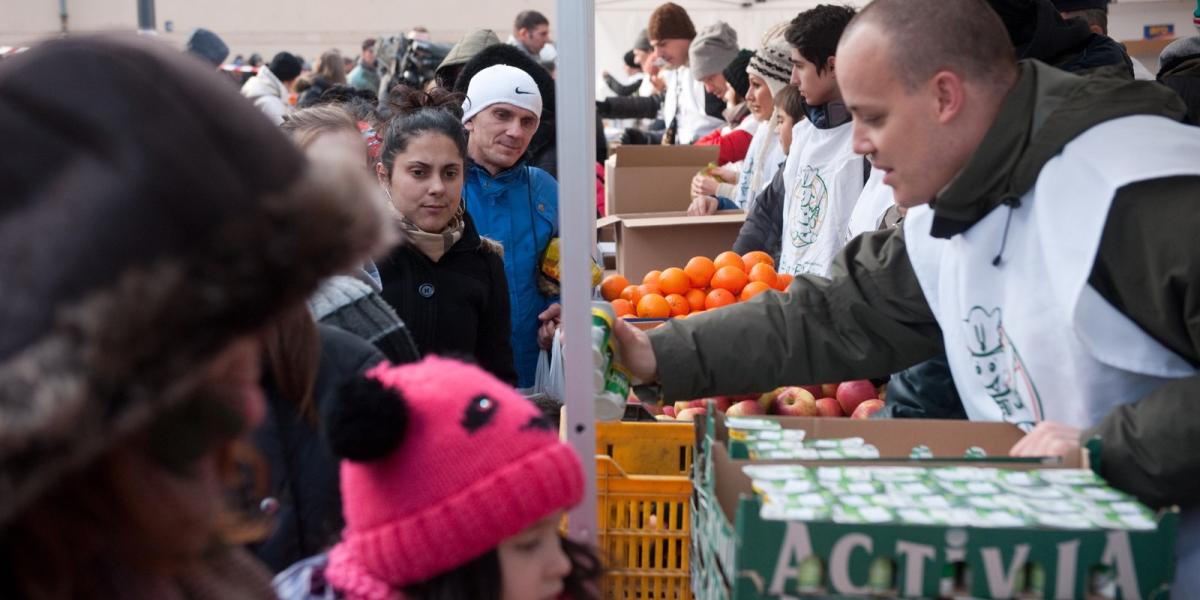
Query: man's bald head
[[927, 36]]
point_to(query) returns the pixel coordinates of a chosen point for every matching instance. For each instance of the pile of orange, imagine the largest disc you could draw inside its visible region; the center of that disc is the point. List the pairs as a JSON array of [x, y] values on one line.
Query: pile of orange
[[703, 284]]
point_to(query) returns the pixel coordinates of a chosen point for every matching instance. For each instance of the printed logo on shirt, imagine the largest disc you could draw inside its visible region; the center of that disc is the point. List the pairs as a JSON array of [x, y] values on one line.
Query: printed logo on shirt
[[808, 209], [1000, 370]]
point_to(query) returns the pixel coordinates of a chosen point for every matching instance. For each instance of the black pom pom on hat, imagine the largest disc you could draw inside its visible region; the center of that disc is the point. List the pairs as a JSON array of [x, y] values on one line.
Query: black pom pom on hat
[[368, 421]]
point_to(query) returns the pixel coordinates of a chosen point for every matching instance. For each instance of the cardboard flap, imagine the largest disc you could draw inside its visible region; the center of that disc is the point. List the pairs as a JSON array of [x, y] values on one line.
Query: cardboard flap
[[664, 156], [662, 221], [607, 221]]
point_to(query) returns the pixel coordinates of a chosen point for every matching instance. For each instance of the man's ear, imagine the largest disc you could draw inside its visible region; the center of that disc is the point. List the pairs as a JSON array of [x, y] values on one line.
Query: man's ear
[[950, 93], [830, 65], [469, 125]]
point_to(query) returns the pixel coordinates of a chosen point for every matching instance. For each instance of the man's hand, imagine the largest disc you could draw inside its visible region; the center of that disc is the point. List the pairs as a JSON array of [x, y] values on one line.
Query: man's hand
[[658, 83], [636, 352], [703, 205], [703, 185], [1048, 439], [550, 319]]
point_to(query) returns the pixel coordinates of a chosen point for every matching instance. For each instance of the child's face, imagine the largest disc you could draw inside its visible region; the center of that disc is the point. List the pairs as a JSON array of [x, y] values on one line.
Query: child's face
[[784, 129], [533, 564]]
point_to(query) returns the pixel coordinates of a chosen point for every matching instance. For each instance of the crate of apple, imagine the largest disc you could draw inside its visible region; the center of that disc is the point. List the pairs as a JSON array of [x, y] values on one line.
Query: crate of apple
[[857, 399]]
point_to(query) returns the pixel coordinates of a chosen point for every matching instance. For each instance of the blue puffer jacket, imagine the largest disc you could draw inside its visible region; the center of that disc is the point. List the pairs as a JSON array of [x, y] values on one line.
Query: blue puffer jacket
[[519, 209]]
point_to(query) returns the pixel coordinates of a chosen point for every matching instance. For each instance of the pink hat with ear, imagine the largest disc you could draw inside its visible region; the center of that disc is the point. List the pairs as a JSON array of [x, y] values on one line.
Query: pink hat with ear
[[442, 462]]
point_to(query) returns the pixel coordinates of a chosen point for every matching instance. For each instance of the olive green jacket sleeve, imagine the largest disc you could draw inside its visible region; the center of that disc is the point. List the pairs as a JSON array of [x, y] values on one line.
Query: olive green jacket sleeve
[[869, 320], [1148, 267]]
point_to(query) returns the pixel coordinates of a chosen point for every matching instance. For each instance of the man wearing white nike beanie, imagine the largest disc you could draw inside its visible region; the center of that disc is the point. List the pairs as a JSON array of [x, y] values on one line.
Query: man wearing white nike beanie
[[512, 202]]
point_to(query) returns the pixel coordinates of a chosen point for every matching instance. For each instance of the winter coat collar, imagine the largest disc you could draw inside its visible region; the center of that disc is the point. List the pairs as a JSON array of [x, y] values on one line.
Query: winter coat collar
[[828, 116], [1045, 110], [515, 173]]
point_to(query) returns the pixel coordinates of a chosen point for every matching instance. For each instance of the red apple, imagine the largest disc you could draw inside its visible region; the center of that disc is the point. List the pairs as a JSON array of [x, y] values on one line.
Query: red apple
[[688, 413], [852, 393], [828, 390], [815, 390], [795, 402], [867, 408], [746, 408], [683, 405], [721, 403], [828, 407], [669, 411]]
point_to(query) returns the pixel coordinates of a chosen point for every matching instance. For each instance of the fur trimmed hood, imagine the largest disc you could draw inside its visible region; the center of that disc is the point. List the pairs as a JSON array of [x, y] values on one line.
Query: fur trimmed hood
[[151, 215]]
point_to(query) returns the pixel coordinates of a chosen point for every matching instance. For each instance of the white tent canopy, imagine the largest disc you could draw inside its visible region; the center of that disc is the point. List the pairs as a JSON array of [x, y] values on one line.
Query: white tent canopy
[[619, 21]]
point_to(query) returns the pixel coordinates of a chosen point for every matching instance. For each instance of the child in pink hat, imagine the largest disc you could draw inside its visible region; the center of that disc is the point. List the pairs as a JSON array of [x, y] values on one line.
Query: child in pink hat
[[453, 486]]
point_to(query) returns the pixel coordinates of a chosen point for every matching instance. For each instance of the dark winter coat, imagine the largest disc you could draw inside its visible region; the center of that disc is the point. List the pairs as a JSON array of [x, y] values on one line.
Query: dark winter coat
[[763, 229], [303, 470], [456, 306], [1183, 76]]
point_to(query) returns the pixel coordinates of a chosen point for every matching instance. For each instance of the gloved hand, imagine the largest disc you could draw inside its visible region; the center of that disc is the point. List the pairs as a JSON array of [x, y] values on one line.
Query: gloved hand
[[634, 136]]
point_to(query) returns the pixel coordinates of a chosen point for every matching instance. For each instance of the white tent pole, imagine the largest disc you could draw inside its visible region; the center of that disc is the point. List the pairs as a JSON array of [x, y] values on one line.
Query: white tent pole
[[575, 120]]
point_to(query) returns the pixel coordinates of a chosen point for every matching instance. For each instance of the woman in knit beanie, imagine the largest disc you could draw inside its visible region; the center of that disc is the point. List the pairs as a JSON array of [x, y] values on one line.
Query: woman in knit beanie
[[767, 73], [454, 487]]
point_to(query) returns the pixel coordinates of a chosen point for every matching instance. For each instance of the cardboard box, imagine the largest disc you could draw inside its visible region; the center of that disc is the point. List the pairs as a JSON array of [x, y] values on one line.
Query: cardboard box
[[947, 440], [646, 242], [748, 557], [651, 179]]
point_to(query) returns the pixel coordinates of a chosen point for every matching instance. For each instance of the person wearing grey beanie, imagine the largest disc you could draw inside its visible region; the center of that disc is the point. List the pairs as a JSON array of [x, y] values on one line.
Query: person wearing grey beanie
[[1180, 71], [713, 48]]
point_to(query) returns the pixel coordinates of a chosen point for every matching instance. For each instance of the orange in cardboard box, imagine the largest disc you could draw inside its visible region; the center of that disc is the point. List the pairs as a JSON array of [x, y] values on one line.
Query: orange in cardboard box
[[764, 273], [653, 306], [718, 298], [730, 278], [674, 281], [612, 286], [700, 270]]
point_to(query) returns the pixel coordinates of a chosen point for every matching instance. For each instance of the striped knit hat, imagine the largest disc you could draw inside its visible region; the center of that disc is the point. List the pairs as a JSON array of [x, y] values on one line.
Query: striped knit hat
[[442, 462], [773, 62]]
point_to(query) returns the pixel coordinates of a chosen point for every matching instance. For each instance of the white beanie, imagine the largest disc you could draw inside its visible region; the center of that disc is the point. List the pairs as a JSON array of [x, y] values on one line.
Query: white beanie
[[501, 84]]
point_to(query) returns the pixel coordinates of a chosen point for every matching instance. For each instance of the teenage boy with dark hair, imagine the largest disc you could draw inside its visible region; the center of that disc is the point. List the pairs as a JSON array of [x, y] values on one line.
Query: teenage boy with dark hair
[[823, 177]]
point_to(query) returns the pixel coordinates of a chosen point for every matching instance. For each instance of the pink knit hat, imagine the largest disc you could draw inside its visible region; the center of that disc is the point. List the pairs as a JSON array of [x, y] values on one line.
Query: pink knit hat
[[443, 462]]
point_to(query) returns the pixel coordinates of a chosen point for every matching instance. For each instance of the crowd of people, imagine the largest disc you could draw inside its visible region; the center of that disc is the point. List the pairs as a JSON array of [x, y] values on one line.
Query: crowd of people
[[278, 343]]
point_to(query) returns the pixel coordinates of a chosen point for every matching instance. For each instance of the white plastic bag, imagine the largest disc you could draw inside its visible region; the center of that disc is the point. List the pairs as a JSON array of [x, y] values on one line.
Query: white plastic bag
[[550, 378]]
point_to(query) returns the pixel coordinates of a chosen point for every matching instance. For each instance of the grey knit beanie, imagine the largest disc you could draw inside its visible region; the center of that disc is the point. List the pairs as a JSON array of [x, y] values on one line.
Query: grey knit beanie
[[712, 50], [1179, 49], [643, 42], [772, 62]]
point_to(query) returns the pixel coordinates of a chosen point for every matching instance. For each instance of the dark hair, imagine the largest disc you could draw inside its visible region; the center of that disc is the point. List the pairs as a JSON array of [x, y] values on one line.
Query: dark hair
[[927, 36], [630, 60], [480, 579], [415, 112], [815, 32], [529, 19], [1094, 17], [359, 103], [368, 44], [285, 66], [790, 102], [503, 54]]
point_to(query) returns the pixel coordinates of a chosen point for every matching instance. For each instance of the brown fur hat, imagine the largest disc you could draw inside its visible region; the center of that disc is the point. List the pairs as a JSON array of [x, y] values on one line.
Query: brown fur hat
[[670, 21], [150, 216]]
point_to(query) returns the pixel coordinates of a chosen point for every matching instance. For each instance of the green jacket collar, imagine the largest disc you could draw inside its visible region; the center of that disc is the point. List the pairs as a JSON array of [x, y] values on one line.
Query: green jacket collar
[[1045, 110]]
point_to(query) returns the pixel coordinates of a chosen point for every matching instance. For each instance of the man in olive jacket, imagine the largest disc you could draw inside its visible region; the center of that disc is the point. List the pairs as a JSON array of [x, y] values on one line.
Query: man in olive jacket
[[1050, 250]]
